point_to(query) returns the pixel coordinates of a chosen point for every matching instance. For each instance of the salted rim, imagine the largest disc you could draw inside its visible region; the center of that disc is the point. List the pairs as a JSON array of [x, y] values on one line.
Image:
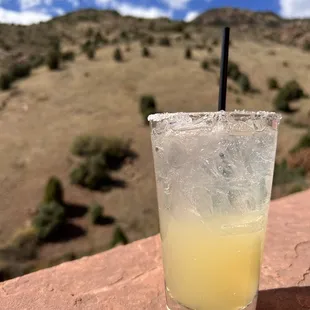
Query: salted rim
[[220, 115]]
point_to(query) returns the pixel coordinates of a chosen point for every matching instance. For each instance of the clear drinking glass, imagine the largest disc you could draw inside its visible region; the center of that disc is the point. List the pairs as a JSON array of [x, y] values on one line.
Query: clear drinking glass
[[214, 175]]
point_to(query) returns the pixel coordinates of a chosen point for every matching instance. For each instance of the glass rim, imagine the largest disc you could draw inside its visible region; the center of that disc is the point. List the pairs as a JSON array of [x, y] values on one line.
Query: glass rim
[[218, 115]]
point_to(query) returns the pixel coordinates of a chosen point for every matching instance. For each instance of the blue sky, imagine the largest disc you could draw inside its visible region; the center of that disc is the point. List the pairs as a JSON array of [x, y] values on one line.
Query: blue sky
[[33, 11]]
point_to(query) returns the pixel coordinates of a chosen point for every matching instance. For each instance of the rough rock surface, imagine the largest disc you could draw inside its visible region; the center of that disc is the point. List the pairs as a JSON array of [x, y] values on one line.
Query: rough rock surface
[[131, 277]]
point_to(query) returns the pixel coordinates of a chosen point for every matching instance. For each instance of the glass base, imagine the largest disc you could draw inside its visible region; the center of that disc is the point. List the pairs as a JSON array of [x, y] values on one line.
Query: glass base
[[174, 305]]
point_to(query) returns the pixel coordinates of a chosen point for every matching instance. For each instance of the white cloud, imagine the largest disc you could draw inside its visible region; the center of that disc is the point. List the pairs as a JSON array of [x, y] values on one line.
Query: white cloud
[[141, 11], [28, 4], [191, 15], [102, 2], [176, 4], [74, 3], [23, 18], [59, 11], [295, 8]]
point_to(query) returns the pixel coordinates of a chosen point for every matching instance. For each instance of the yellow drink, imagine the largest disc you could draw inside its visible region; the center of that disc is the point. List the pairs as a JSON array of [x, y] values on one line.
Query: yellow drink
[[213, 175], [212, 264]]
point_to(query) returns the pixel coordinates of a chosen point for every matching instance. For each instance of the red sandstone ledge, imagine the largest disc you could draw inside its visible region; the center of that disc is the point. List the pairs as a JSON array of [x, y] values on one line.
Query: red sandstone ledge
[[131, 277]]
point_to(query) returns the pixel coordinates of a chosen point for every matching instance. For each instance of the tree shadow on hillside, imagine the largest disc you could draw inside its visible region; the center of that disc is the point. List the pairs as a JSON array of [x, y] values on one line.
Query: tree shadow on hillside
[[116, 163], [292, 110], [75, 210], [105, 220], [255, 90], [113, 183], [105, 184], [67, 232], [292, 298]]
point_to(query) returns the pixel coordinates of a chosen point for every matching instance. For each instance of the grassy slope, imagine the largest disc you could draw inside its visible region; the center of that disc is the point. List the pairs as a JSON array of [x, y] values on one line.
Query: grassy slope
[[46, 111]]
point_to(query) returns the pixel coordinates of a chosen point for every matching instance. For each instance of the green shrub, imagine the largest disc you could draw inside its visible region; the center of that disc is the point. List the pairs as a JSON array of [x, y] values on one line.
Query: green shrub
[[188, 53], [54, 191], [284, 175], [145, 52], [87, 145], [215, 62], [36, 60], [285, 64], [49, 220], [55, 44], [200, 46], [124, 35], [304, 142], [5, 81], [115, 41], [20, 70], [102, 154], [152, 25], [147, 102], [164, 41], [238, 100], [53, 60], [145, 114], [97, 163], [119, 237], [178, 27], [97, 180], [99, 39], [272, 83], [79, 174], [97, 173], [91, 52], [86, 45], [12, 269], [296, 188], [306, 46], [289, 92], [115, 152], [210, 49], [24, 244], [149, 40], [187, 36], [215, 42], [92, 174], [281, 104], [96, 212], [294, 90], [89, 32], [68, 257], [233, 71], [205, 64], [244, 83], [68, 56], [232, 89], [117, 55], [148, 106]]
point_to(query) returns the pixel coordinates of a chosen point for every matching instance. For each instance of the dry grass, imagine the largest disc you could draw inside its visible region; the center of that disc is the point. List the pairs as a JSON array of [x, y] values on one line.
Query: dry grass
[[49, 109]]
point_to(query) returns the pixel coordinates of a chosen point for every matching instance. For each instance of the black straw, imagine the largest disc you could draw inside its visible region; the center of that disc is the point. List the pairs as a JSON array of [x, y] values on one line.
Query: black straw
[[224, 67]]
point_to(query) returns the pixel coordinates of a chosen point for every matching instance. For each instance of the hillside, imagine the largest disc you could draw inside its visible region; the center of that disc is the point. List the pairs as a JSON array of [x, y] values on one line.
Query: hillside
[[25, 41], [41, 116], [263, 25]]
